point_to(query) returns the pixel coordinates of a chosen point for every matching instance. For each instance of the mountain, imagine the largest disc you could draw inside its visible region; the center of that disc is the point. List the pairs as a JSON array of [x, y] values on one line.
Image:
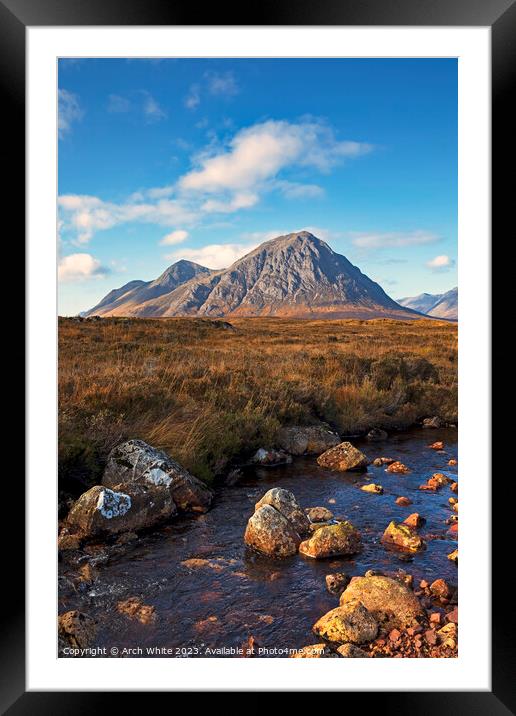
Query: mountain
[[297, 275], [439, 305], [125, 300]]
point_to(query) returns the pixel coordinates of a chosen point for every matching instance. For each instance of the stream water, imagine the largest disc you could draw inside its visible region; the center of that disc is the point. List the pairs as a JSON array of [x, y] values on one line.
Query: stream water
[[236, 593]]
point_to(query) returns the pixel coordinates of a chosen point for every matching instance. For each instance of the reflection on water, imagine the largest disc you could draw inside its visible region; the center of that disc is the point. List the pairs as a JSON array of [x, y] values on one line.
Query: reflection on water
[[231, 593]]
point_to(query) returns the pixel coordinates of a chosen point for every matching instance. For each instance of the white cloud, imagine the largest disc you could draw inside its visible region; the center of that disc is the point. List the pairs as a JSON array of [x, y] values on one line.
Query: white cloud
[[295, 190], [221, 83], [69, 111], [258, 153], [118, 104], [214, 256], [84, 215], [193, 98], [151, 109], [243, 200], [80, 267], [440, 263], [226, 179], [175, 237], [393, 239]]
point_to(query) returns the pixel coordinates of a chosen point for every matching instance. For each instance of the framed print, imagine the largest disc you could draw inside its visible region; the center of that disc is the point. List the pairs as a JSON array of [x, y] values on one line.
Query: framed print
[[252, 394]]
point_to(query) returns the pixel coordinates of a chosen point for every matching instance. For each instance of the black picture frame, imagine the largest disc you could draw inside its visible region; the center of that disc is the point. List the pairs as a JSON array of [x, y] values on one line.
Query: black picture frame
[[500, 15]]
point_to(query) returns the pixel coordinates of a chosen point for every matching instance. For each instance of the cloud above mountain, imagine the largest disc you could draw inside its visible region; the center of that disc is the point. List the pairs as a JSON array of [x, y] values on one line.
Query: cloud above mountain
[[79, 267], [224, 179], [440, 263]]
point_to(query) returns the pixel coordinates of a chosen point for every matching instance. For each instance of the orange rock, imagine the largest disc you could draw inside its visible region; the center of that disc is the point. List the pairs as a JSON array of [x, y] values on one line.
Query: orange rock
[[440, 588], [438, 445], [414, 520], [431, 637], [403, 501], [452, 462], [134, 608], [402, 537], [453, 616], [398, 467], [454, 529]]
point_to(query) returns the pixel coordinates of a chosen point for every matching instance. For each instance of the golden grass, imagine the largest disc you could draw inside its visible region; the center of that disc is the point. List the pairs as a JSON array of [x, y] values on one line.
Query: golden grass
[[206, 394]]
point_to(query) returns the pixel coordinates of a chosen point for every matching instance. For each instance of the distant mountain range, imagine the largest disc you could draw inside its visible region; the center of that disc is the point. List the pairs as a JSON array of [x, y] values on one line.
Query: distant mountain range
[[296, 275], [440, 305]]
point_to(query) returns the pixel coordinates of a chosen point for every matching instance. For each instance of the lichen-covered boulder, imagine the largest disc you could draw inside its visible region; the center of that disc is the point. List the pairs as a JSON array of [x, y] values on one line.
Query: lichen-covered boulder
[[351, 622], [389, 600], [343, 457], [402, 537], [287, 505], [319, 514], [315, 651], [307, 440], [337, 540], [102, 511], [270, 533], [135, 462]]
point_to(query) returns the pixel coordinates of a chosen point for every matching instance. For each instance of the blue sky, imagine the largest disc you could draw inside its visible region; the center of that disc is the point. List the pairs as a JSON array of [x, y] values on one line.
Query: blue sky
[[204, 159]]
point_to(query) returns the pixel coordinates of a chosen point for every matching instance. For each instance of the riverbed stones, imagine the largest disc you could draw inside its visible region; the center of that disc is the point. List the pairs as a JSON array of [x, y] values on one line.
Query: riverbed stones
[[435, 482], [271, 533], [372, 488], [307, 440], [336, 583], [76, 629], [380, 461], [271, 458], [389, 600], [341, 539], [398, 467], [343, 457], [403, 501], [350, 651], [402, 537], [454, 556], [440, 589], [376, 434], [102, 511], [434, 422], [414, 521], [351, 622], [136, 462], [319, 514], [438, 445], [134, 608], [286, 504]]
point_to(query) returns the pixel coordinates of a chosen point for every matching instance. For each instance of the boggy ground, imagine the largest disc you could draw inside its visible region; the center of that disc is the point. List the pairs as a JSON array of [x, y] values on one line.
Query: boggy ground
[[209, 393]]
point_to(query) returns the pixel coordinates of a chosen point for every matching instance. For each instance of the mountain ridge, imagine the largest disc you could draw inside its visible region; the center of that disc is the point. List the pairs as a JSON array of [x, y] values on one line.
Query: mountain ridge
[[438, 305], [293, 275]]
